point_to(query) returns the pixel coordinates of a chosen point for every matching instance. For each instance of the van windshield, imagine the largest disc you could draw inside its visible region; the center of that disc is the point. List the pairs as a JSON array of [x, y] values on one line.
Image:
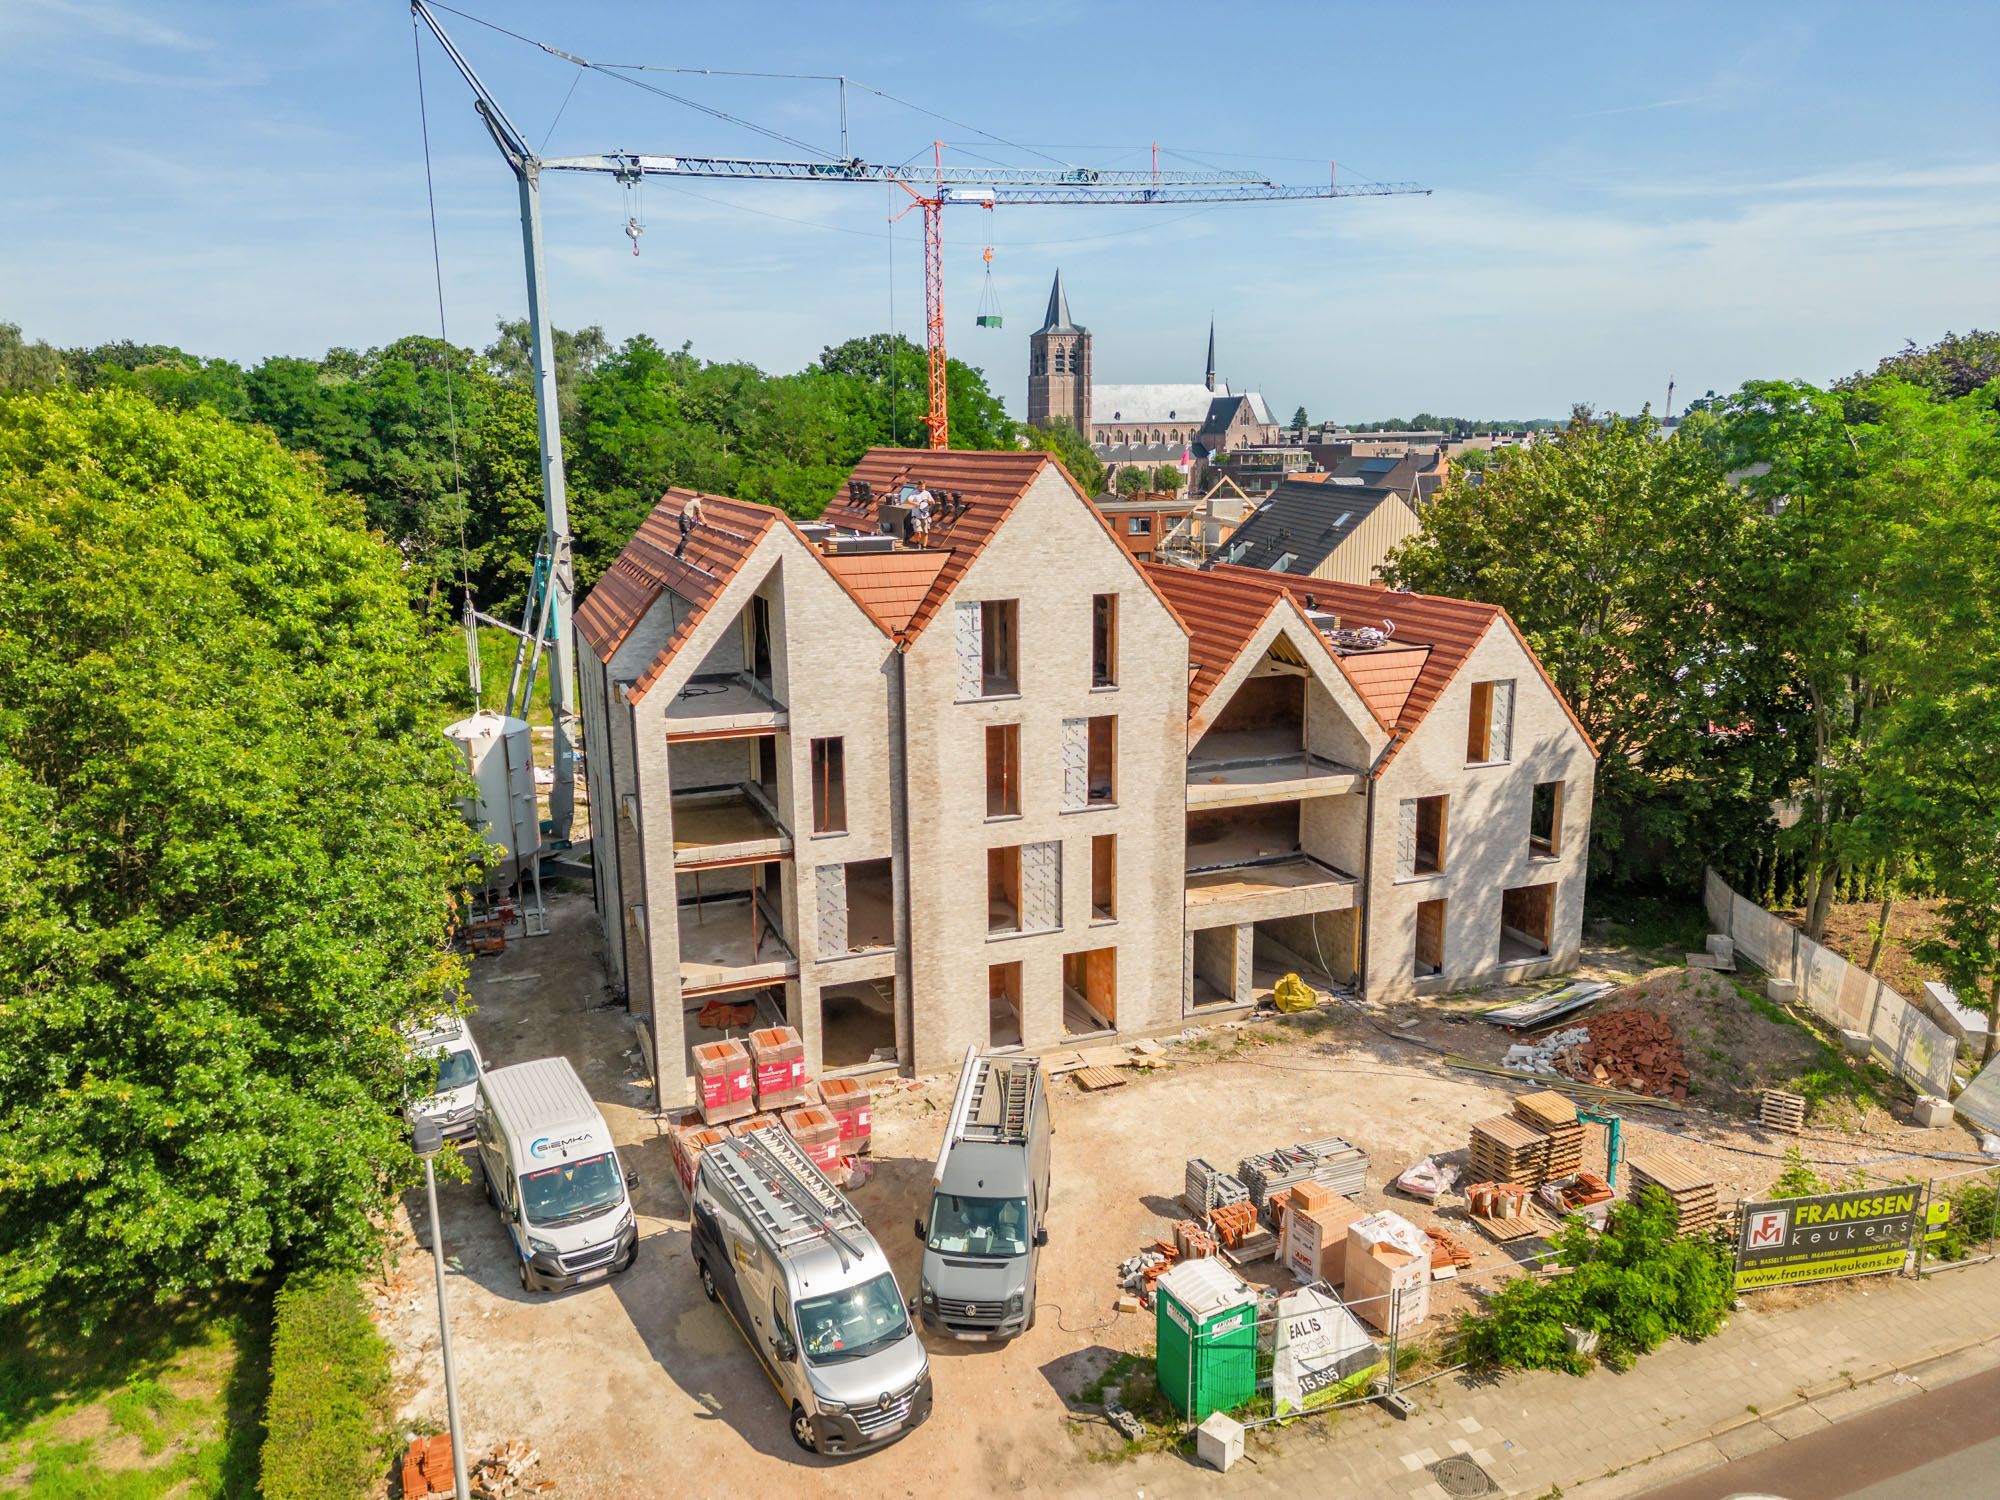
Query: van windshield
[[848, 1324], [575, 1190], [456, 1070], [979, 1226]]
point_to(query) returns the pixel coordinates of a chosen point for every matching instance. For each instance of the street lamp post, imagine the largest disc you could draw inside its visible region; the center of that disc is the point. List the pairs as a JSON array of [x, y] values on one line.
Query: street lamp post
[[428, 1140]]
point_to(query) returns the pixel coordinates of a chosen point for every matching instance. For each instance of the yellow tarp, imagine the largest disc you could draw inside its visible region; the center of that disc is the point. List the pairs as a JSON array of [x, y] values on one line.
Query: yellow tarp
[[1294, 994]]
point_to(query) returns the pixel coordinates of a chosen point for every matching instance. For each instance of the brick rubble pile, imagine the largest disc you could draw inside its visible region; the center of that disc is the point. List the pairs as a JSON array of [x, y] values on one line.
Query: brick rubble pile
[[1630, 1049]]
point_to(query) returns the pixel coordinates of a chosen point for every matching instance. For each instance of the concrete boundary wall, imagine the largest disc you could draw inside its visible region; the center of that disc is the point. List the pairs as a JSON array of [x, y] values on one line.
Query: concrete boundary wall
[[1842, 995]]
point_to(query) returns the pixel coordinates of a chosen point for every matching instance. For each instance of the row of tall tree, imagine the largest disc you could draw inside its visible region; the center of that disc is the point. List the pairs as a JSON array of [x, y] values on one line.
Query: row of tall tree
[[1781, 623], [438, 442]]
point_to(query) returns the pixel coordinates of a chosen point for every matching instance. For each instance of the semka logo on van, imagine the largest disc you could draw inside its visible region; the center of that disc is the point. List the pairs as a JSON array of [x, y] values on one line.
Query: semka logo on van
[[550, 1145]]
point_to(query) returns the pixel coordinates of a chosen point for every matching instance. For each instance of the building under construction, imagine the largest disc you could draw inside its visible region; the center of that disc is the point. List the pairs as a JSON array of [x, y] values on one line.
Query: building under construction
[[1010, 787]]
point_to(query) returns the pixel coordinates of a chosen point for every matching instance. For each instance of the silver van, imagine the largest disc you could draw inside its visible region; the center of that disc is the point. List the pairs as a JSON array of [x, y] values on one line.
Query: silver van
[[456, 1083], [553, 1173], [810, 1290], [989, 1202]]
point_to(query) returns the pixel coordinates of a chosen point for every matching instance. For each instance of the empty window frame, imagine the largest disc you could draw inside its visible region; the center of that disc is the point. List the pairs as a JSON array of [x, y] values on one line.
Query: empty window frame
[[1138, 525], [1003, 1005], [1104, 640], [1489, 723], [1104, 877], [1003, 889], [1527, 921], [1101, 765], [1430, 939], [999, 645], [829, 786], [1003, 770], [1429, 851], [1545, 813]]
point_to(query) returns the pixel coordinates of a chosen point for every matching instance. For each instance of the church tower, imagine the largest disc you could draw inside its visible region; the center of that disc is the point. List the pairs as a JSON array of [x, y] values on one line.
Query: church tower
[[1059, 368]]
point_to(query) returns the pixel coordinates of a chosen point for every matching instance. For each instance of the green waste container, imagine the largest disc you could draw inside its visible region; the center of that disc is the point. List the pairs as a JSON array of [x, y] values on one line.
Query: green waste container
[[1206, 1326]]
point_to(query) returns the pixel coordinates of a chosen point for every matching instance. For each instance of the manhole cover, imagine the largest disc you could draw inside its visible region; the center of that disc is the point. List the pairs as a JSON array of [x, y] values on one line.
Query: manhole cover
[[1461, 1477]]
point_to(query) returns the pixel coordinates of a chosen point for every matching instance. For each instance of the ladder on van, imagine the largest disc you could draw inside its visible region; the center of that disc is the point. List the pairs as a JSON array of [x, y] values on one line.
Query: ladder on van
[[995, 1098], [783, 1192]]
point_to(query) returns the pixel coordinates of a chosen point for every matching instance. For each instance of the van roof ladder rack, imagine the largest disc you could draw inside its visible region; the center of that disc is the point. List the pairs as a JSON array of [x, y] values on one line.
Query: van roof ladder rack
[[782, 1189]]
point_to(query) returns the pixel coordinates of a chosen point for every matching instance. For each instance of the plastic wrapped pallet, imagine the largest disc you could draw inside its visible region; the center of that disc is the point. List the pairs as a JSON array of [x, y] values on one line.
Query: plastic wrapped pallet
[[686, 1143], [1388, 1264], [722, 1070], [816, 1131], [853, 1111], [779, 1059]]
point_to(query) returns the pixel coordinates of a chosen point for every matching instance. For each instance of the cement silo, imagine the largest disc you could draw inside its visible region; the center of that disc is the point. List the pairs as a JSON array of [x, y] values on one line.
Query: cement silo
[[498, 754]]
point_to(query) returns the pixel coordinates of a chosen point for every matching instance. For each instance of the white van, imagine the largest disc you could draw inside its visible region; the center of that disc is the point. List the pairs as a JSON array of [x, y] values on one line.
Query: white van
[[457, 1082], [551, 1170]]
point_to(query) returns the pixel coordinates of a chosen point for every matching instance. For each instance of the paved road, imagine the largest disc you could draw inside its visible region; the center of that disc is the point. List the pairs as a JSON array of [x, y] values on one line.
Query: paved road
[[1941, 1445]]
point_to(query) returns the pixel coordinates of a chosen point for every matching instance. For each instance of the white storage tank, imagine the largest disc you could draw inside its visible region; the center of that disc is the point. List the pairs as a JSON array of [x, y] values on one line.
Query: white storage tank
[[498, 753]]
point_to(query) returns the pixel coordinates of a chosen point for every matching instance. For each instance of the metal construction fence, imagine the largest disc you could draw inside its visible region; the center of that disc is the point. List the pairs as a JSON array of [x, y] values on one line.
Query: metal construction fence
[[1900, 1036]]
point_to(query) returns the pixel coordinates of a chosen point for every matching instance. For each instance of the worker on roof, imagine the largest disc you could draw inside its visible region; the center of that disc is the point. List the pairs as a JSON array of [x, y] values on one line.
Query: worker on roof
[[690, 518], [920, 516]]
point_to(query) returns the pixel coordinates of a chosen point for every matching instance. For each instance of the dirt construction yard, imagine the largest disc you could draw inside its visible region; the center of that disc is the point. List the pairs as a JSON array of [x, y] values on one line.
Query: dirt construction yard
[[639, 1386]]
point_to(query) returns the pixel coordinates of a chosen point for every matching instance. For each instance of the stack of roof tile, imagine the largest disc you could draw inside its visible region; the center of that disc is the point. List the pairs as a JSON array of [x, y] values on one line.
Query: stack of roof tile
[[1694, 1196], [1508, 1150], [1192, 1241], [1555, 1116]]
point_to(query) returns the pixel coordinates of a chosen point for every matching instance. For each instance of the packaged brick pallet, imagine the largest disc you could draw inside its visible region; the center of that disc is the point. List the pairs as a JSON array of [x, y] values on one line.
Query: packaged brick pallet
[[778, 1058], [814, 1128], [722, 1071], [853, 1111]]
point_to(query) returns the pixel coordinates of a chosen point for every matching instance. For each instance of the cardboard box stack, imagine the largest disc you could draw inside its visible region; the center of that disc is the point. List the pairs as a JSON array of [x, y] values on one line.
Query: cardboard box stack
[[1388, 1267], [779, 1058], [817, 1132], [853, 1111], [1315, 1243], [723, 1072]]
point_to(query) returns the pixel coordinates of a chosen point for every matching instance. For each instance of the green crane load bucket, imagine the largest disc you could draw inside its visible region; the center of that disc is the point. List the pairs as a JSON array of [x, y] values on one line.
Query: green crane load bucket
[[1206, 1326], [988, 320]]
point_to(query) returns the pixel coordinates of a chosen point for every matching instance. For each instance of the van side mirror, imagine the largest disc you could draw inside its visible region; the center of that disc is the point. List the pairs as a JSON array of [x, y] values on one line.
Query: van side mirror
[[631, 1177], [918, 1225], [785, 1349], [1041, 1238]]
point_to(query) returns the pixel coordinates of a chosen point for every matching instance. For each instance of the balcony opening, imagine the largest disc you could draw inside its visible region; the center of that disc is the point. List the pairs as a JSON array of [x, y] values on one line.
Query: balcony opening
[[857, 1026], [871, 909], [1003, 889], [1090, 992], [1003, 1005], [1527, 920], [829, 786], [760, 640], [1003, 770], [999, 643], [1104, 640], [1429, 857], [1264, 719], [1102, 764], [1104, 877], [1215, 968], [1221, 837], [1545, 819], [1430, 939]]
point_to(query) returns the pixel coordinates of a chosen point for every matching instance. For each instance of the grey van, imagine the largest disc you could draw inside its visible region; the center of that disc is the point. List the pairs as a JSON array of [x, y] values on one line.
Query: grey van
[[789, 1259], [989, 1202]]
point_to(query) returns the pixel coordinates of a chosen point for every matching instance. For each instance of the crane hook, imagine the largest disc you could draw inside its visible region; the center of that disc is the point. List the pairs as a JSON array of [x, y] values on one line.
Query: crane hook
[[634, 229]]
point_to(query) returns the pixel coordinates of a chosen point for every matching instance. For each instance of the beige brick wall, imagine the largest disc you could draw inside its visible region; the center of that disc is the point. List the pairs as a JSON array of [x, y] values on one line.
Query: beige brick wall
[[1053, 555], [1486, 834]]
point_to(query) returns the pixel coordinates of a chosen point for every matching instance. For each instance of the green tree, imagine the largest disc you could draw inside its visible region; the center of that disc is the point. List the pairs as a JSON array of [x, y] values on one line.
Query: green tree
[[1131, 481], [1300, 421], [1069, 445], [1956, 365], [1168, 478], [28, 367], [228, 856], [578, 354], [1624, 559]]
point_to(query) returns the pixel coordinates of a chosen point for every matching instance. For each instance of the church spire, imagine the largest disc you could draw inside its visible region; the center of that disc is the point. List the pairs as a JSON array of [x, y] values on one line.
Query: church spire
[[1209, 380], [1057, 318]]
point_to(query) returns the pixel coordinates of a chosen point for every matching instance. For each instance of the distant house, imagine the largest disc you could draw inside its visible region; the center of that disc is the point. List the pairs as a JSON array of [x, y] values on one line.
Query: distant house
[[1321, 529], [1143, 522], [1415, 473]]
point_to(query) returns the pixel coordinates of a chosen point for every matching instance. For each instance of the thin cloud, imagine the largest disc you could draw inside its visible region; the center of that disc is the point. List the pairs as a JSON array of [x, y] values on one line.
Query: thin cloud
[[1636, 109]]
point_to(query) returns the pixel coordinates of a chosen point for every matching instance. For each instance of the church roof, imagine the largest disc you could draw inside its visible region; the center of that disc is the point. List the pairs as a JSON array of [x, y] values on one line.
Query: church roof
[[1056, 320], [1151, 403]]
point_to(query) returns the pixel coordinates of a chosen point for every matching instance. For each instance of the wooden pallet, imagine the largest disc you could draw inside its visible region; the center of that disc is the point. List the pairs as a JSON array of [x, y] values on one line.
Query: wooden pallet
[[1092, 1079], [1778, 1110], [1522, 1226]]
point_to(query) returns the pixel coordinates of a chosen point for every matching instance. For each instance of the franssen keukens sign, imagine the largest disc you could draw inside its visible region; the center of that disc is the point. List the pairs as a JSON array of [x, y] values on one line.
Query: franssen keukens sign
[[1816, 1239]]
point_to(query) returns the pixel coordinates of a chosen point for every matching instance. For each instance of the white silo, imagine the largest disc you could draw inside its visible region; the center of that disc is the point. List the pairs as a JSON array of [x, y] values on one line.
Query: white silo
[[497, 752]]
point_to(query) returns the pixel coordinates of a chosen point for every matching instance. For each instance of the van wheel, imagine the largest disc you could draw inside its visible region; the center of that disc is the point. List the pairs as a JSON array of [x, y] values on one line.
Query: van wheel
[[521, 1268], [486, 1181], [707, 1282], [802, 1429]]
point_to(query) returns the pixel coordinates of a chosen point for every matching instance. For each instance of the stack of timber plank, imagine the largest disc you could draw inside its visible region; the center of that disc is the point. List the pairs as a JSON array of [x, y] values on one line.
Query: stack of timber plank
[[1779, 1110], [1508, 1150], [1555, 1116], [1693, 1195]]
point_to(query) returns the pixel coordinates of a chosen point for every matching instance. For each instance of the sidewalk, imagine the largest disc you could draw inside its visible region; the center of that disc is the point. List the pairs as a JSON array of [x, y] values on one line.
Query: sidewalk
[[1766, 1378]]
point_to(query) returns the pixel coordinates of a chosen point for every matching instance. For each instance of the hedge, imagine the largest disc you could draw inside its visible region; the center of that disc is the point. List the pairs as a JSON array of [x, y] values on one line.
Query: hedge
[[328, 1412]]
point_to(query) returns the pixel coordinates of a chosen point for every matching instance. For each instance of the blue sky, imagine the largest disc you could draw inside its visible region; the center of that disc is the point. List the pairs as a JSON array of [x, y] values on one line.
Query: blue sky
[[1622, 193]]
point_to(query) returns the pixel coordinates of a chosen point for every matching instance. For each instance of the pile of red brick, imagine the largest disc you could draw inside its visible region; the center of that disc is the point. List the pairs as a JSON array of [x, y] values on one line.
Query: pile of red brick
[[427, 1467], [1192, 1241], [1631, 1049], [1232, 1222]]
